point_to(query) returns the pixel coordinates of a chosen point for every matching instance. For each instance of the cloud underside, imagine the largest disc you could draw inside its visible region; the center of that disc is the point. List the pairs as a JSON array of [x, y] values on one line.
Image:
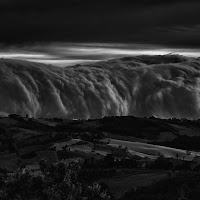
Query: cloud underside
[[162, 86]]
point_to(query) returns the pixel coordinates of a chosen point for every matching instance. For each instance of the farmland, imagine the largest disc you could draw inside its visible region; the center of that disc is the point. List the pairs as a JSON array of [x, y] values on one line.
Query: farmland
[[121, 152]]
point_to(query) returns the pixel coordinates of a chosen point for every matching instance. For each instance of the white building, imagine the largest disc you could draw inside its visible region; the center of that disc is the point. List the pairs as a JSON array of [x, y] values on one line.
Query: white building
[[33, 170]]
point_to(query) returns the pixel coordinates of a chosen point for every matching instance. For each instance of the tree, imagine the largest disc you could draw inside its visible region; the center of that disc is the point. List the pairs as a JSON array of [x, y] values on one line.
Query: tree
[[96, 191]]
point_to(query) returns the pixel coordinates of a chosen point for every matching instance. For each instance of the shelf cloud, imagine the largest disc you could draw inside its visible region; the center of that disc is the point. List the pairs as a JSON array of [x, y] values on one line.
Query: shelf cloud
[[162, 86]]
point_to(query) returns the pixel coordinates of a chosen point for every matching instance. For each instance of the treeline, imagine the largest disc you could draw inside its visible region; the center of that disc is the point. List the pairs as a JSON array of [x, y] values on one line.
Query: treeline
[[149, 128]]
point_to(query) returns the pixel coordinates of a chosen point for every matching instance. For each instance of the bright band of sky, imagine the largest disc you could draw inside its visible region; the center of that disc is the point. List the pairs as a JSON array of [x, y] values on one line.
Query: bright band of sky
[[66, 54]]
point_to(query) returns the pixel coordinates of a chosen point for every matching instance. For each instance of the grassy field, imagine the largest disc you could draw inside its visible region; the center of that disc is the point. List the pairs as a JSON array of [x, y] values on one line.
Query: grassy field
[[154, 150], [8, 162], [127, 179]]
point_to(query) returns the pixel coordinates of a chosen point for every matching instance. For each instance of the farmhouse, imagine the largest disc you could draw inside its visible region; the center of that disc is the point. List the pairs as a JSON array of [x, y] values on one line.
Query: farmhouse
[[33, 170], [145, 162]]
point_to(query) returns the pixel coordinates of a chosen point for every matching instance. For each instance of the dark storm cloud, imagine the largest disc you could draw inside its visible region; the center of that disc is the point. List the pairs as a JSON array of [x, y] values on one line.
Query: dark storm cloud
[[140, 86], [123, 21]]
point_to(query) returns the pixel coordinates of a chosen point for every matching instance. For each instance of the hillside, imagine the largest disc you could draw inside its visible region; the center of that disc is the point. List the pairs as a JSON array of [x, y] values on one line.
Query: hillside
[[25, 136], [114, 150]]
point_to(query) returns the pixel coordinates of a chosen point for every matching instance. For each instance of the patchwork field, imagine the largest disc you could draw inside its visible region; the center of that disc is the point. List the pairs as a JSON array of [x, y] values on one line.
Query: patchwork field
[[150, 150]]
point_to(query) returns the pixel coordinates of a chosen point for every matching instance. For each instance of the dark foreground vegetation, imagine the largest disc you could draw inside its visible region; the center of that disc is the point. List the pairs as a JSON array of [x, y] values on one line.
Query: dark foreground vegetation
[[64, 181], [58, 181]]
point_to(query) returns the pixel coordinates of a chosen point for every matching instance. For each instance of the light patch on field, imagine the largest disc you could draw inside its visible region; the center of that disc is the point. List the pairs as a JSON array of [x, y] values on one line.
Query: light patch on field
[[155, 150], [82, 148]]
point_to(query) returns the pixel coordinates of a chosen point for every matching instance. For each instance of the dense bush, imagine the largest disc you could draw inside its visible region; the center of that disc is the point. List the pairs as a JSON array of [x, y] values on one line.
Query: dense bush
[[58, 182]]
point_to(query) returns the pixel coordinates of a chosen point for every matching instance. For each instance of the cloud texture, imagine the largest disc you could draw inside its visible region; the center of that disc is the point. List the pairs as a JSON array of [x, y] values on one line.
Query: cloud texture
[[163, 86]]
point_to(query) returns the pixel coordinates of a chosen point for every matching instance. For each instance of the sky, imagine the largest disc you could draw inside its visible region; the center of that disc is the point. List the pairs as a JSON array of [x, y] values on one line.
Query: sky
[[68, 32], [164, 22], [170, 25]]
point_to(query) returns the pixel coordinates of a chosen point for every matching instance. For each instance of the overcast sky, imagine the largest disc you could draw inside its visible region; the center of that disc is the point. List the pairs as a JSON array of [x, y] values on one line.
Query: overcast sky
[[174, 23]]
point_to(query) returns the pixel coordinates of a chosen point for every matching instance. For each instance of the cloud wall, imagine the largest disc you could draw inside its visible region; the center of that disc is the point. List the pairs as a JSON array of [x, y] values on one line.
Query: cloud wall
[[162, 86]]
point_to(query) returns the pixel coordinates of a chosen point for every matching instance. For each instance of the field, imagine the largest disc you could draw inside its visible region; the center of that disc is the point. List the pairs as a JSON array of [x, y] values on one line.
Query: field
[[150, 150], [127, 179], [122, 152]]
